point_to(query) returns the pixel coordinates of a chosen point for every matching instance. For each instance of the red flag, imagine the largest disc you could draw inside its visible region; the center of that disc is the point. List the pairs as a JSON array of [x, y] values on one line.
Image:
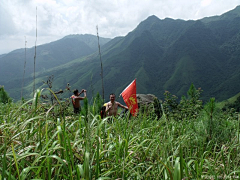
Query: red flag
[[130, 98]]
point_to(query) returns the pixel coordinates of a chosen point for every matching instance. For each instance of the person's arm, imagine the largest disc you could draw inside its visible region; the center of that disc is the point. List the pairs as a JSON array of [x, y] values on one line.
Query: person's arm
[[108, 107], [85, 95], [122, 106]]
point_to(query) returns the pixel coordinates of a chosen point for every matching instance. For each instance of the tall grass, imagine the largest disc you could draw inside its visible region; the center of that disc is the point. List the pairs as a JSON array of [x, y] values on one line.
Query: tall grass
[[35, 144]]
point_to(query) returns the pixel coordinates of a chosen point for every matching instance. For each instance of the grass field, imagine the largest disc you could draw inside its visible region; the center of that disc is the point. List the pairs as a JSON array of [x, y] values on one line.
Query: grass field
[[49, 142]]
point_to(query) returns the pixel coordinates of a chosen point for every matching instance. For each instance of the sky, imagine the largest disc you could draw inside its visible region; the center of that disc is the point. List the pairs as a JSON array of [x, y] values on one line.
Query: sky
[[54, 19]]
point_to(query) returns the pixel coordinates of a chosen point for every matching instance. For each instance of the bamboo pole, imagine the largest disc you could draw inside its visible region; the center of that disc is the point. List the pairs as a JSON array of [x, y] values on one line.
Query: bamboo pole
[[24, 67], [35, 55], [101, 63]]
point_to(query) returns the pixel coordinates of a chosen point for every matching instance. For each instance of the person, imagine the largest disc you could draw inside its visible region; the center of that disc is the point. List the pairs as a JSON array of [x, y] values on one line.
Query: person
[[103, 111], [112, 106], [76, 100]]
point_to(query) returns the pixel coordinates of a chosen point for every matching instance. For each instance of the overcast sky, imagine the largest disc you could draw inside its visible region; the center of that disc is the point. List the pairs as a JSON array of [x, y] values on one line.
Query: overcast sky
[[58, 18]]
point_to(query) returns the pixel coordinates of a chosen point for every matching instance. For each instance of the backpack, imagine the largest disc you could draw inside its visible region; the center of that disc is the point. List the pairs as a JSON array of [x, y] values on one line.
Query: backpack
[[103, 111]]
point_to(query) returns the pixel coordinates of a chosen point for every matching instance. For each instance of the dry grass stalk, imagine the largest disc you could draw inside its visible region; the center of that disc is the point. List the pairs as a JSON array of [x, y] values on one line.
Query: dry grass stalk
[[101, 63]]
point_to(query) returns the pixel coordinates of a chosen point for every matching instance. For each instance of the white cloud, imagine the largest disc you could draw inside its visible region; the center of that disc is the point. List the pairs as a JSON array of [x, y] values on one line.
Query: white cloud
[[205, 2], [58, 18]]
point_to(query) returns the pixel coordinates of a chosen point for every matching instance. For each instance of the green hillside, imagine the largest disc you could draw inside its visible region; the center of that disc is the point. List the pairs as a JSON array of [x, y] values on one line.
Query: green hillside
[[162, 54], [230, 100], [47, 56]]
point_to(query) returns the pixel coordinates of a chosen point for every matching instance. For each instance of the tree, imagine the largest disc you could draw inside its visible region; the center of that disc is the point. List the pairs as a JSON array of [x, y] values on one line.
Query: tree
[[4, 97], [193, 103], [188, 107]]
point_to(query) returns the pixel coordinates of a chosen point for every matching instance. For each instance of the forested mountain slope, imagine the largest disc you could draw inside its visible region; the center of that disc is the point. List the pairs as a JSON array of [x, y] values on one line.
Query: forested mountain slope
[[162, 54]]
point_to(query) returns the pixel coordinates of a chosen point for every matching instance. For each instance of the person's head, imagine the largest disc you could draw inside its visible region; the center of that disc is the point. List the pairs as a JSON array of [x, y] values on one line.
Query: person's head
[[75, 92], [112, 97]]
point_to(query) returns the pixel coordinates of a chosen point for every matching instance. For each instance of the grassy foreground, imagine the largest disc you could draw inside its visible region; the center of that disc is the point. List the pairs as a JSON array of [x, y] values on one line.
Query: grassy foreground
[[49, 143]]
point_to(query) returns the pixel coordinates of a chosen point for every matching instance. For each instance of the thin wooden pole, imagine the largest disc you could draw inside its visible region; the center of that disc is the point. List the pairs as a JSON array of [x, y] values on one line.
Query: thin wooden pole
[[101, 64], [35, 55], [24, 67]]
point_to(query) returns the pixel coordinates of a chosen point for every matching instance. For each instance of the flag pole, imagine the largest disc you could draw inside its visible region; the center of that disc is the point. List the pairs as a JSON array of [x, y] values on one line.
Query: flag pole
[[127, 87]]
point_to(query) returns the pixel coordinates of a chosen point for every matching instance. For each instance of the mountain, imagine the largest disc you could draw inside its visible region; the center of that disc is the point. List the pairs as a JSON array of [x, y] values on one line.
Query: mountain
[[162, 54], [47, 56], [228, 16]]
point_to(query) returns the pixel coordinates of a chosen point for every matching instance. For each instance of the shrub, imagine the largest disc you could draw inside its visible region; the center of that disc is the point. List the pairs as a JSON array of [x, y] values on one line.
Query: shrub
[[4, 97], [187, 108]]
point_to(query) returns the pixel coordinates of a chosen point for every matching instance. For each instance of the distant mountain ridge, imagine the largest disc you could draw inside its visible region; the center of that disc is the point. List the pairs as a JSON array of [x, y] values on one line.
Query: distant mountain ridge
[[162, 54], [48, 55], [226, 16]]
